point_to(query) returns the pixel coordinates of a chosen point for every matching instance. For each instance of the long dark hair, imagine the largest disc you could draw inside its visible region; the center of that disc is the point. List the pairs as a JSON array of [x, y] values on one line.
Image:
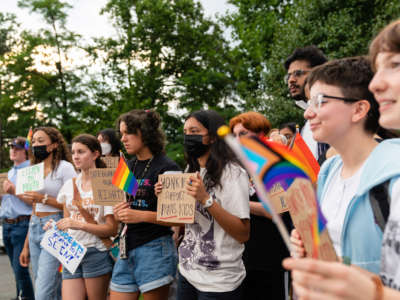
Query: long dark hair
[[148, 122], [220, 153], [60, 153], [93, 144], [110, 136]]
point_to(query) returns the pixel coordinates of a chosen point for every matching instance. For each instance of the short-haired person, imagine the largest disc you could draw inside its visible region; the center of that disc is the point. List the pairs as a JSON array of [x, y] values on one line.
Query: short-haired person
[[289, 131], [151, 261], [210, 254], [48, 146], [298, 66], [15, 214], [343, 112], [323, 280], [88, 223], [265, 249], [110, 144]]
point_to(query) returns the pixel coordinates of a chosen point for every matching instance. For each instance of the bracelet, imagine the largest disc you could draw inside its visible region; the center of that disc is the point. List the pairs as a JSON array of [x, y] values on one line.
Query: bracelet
[[378, 287], [45, 198]]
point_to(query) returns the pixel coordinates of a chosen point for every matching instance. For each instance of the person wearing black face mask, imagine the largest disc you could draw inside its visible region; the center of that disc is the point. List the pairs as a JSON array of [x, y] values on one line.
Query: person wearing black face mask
[[210, 254], [49, 147]]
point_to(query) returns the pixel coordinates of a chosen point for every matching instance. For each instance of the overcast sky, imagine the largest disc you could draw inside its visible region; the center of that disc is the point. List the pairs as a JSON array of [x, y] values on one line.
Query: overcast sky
[[85, 19]]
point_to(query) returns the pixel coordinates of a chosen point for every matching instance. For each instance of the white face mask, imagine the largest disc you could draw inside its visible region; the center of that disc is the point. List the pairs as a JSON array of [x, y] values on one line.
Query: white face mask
[[105, 148]]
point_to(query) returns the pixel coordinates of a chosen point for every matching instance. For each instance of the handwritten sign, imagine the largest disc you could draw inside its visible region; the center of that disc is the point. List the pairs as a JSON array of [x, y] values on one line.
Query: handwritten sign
[[301, 200], [111, 161], [30, 179], [174, 204], [104, 192], [3, 177], [63, 247], [277, 195]]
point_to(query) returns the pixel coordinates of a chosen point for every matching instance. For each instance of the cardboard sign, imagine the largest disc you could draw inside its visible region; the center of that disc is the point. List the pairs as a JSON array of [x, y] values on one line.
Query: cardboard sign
[[301, 200], [110, 161], [3, 177], [277, 196], [63, 247], [174, 204], [30, 179], [104, 192]]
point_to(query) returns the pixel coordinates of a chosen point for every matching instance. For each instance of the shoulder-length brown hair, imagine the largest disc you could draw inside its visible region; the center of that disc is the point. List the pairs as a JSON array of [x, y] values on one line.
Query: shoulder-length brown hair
[[60, 153], [388, 40], [93, 144]]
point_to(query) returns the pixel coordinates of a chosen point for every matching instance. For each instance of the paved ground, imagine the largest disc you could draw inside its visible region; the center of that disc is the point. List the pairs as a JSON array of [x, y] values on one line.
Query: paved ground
[[7, 283]]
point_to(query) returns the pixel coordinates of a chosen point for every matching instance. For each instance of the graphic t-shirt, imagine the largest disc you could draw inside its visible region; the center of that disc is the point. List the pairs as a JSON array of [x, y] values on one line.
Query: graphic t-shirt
[[98, 212], [209, 258], [142, 233], [390, 262]]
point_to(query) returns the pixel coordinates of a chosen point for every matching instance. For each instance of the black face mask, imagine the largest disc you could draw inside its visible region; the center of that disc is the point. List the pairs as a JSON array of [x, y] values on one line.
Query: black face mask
[[40, 152], [193, 145]]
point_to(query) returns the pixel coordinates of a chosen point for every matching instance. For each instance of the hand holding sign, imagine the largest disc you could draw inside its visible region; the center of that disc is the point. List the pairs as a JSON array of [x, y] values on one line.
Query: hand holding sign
[[63, 247], [30, 179]]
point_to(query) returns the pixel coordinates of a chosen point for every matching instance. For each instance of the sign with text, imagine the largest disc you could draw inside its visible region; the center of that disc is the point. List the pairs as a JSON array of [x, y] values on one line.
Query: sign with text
[[30, 179], [111, 161], [277, 196], [301, 200], [174, 204], [104, 192], [3, 177], [63, 247]]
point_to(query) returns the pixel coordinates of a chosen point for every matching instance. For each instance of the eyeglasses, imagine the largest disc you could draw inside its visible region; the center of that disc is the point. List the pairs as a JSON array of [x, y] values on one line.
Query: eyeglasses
[[296, 73], [316, 101]]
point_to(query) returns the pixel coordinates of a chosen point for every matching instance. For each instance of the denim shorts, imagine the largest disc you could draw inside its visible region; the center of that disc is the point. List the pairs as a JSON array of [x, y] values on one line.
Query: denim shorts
[[95, 263], [147, 267]]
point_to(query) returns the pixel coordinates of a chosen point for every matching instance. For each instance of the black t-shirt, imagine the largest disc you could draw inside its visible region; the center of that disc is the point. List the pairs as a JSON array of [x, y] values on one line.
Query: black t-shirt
[[265, 249], [142, 233]]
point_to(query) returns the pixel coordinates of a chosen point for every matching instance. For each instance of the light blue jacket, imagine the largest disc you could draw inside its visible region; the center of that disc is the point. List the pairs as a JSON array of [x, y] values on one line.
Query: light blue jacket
[[361, 237]]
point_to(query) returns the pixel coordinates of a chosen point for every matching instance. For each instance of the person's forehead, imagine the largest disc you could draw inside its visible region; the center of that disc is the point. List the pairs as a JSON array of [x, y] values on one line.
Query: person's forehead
[[299, 65]]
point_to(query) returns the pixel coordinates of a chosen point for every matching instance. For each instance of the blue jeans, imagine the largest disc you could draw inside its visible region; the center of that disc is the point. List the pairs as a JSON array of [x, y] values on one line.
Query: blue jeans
[[148, 267], [44, 265], [14, 238]]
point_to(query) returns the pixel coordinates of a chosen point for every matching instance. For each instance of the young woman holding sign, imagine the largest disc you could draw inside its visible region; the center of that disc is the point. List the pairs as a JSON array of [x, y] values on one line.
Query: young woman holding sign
[[48, 146], [322, 280], [150, 263], [210, 254], [90, 224]]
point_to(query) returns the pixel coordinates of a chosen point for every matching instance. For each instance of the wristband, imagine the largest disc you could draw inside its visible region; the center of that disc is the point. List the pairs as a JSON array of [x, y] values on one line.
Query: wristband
[[378, 287], [45, 198], [208, 202]]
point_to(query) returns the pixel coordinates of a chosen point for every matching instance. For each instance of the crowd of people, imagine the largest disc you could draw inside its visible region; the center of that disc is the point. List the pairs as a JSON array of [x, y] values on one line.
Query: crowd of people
[[233, 249]]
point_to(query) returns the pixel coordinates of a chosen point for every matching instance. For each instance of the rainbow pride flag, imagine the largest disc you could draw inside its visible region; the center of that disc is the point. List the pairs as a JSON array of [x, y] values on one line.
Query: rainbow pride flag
[[301, 149], [28, 139], [124, 179], [319, 224]]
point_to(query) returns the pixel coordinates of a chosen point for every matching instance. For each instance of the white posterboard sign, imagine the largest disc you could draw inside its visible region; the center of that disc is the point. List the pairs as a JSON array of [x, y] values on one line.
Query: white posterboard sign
[[63, 247], [30, 179]]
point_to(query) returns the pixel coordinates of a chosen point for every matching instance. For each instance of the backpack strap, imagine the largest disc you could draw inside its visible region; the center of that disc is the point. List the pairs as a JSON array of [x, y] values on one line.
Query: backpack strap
[[379, 198]]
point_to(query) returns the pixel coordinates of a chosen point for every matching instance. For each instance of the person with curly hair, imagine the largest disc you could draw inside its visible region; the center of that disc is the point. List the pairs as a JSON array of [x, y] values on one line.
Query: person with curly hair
[[49, 147], [151, 260]]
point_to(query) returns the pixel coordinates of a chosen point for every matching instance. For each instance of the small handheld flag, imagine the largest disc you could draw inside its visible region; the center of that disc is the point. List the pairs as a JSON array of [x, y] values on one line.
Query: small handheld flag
[[124, 179], [319, 224], [28, 139]]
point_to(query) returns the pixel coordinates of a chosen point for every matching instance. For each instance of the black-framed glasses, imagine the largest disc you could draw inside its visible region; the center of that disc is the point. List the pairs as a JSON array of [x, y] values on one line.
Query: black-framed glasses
[[316, 101], [295, 73]]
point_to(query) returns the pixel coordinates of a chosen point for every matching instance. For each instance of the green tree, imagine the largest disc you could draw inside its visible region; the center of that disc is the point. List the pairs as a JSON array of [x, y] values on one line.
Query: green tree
[[166, 54], [340, 28], [58, 92]]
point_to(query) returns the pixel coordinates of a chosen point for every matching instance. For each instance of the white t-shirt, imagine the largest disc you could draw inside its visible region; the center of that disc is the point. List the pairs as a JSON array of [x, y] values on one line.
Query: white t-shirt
[[53, 183], [307, 136], [335, 203], [390, 262], [209, 258], [66, 195]]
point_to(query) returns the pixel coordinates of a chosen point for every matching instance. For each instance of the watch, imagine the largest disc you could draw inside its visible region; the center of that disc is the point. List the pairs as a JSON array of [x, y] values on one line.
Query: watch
[[208, 202], [45, 198]]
